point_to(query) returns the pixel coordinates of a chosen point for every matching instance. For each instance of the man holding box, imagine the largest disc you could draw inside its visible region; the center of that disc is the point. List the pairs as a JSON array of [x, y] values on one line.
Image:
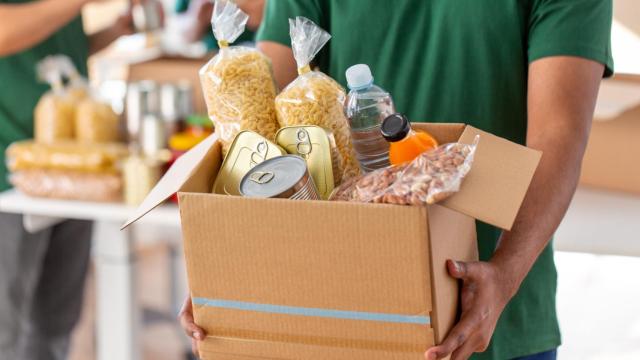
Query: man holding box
[[527, 71], [42, 274]]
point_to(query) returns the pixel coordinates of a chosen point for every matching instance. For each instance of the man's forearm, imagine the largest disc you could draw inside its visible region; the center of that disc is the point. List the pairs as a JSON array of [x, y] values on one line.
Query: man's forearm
[[559, 125], [26, 25]]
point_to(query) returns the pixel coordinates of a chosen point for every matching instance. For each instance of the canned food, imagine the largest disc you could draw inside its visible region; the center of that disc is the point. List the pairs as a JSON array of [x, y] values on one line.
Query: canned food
[[313, 144], [247, 150], [281, 177]]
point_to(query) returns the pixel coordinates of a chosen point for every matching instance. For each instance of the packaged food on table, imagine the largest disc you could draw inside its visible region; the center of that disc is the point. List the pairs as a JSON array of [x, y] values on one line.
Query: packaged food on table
[[405, 143], [140, 176], [431, 177], [54, 113], [247, 150], [78, 88], [96, 122], [68, 155], [237, 83], [285, 177], [314, 98], [69, 185], [314, 144]]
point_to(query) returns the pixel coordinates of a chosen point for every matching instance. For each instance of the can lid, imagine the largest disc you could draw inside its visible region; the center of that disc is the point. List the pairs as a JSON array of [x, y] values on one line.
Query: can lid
[[395, 127], [273, 177]]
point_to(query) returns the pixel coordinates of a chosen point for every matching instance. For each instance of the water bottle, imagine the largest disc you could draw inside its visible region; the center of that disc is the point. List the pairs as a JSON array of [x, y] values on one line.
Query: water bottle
[[366, 107]]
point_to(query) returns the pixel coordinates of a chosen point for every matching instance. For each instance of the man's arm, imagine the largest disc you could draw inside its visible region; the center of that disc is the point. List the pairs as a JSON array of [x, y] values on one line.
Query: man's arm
[[285, 69], [102, 38], [25, 25], [562, 92]]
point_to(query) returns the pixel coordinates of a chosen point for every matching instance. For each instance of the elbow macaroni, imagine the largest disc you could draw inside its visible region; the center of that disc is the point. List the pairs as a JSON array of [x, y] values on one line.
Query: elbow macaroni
[[316, 99], [239, 91]]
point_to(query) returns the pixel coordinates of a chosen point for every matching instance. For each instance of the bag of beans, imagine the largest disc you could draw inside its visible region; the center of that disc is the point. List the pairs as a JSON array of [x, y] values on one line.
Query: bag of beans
[[238, 82], [431, 177], [314, 98]]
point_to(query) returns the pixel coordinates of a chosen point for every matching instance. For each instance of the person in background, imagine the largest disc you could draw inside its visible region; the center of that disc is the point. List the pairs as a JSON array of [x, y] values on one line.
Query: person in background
[[199, 14], [42, 274], [528, 71]]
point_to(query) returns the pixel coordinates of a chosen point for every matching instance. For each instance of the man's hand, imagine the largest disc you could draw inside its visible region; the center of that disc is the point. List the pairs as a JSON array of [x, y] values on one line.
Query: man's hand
[[485, 293], [189, 326]]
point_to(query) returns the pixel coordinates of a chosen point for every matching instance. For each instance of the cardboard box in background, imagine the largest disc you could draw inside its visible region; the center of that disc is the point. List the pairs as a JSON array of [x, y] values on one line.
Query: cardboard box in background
[[172, 69], [612, 158], [284, 279]]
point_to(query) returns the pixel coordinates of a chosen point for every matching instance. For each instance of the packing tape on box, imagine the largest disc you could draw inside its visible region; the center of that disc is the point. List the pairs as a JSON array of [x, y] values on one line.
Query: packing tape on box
[[251, 336], [315, 312]]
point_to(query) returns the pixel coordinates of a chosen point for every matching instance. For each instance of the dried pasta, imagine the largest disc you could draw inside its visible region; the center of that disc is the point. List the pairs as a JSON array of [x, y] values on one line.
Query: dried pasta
[[239, 91], [53, 118], [95, 122], [314, 98], [238, 82]]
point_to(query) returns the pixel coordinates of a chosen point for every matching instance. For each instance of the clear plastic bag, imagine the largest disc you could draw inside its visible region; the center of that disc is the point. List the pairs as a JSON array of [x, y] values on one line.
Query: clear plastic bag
[[69, 185], [238, 82], [55, 111], [96, 158], [431, 177], [314, 98], [95, 122]]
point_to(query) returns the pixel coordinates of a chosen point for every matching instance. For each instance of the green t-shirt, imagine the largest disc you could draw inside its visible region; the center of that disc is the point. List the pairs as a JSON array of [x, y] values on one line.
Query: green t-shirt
[[208, 38], [463, 61], [20, 88]]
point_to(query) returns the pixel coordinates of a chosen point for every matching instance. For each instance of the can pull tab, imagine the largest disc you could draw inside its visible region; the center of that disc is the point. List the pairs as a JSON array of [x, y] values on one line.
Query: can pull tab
[[303, 145], [262, 177]]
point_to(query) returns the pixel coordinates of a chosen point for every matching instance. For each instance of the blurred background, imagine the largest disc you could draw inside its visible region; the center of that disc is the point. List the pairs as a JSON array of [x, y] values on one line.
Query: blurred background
[[136, 282]]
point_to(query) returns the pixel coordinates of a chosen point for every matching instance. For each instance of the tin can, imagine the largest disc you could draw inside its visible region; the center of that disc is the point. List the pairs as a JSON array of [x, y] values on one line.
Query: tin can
[[247, 150], [284, 177], [313, 144]]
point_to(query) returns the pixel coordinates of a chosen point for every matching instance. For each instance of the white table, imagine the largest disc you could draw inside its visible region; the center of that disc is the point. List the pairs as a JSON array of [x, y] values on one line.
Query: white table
[[598, 222], [118, 315]]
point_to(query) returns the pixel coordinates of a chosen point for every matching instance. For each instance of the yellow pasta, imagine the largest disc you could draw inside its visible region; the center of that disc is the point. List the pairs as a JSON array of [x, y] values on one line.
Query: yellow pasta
[[53, 118], [316, 99], [239, 91], [95, 122]]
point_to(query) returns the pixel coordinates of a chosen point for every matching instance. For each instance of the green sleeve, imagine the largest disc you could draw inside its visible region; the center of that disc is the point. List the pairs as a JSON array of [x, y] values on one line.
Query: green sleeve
[[579, 28], [275, 23], [181, 6]]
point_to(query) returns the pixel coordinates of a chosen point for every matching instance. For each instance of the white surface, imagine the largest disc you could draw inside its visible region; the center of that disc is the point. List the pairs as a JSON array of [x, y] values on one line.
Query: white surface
[[601, 222], [598, 306], [13, 201]]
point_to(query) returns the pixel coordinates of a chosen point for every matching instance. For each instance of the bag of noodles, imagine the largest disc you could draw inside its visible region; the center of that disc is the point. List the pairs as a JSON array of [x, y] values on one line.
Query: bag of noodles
[[54, 114], [238, 82], [314, 98]]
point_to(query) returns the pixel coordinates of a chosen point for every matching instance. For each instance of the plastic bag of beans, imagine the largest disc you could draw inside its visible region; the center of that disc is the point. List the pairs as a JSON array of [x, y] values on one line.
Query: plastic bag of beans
[[430, 178], [314, 98], [69, 185], [238, 82]]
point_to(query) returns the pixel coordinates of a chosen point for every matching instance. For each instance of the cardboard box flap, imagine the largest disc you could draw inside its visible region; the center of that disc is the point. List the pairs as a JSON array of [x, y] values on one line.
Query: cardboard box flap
[[500, 176], [177, 177]]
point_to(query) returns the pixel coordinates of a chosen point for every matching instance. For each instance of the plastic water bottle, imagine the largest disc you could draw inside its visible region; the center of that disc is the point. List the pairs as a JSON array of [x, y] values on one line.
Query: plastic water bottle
[[366, 107]]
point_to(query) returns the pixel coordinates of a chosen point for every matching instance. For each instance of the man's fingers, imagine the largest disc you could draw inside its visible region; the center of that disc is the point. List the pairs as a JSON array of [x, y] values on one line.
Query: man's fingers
[[187, 323], [194, 348], [458, 336], [463, 270], [465, 351]]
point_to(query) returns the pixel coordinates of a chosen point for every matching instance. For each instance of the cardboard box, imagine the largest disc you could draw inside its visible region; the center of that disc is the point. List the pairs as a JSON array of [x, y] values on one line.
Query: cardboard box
[[613, 152], [283, 279]]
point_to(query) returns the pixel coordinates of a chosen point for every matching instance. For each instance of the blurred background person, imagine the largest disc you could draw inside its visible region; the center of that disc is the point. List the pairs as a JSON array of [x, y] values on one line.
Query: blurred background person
[[196, 14], [42, 274]]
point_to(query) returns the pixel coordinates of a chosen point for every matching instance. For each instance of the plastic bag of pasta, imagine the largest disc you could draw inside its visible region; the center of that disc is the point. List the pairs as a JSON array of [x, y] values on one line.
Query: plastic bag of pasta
[[55, 111], [95, 122], [77, 88], [69, 185], [314, 98], [238, 82]]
